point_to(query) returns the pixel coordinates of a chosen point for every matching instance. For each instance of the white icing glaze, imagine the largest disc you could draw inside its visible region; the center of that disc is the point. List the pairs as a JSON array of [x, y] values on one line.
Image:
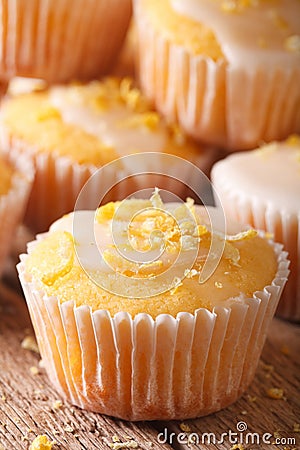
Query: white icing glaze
[[255, 36], [270, 175], [108, 125]]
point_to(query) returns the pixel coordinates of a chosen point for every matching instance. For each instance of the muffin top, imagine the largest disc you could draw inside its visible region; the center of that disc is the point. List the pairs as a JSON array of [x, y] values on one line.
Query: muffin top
[[6, 175], [143, 256], [93, 123], [270, 174], [247, 33]]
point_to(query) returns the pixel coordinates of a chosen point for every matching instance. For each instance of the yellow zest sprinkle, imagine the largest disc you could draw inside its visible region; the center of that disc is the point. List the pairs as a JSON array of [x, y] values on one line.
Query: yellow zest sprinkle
[[29, 343], [231, 253], [235, 6], [176, 284], [292, 43], [237, 447], [48, 113], [57, 404], [128, 268], [41, 443], [121, 445], [156, 200], [275, 393], [190, 273], [131, 96], [202, 230], [293, 140], [149, 120], [249, 234], [52, 258], [185, 427], [106, 212], [218, 285], [34, 370]]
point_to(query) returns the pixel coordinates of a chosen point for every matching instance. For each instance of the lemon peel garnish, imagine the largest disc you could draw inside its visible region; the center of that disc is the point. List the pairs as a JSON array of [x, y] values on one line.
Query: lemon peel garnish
[[249, 234], [52, 258]]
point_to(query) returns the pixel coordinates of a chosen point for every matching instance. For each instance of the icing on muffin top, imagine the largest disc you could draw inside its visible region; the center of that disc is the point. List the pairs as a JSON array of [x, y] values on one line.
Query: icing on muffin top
[[270, 174], [6, 174], [67, 263], [250, 32], [93, 123]]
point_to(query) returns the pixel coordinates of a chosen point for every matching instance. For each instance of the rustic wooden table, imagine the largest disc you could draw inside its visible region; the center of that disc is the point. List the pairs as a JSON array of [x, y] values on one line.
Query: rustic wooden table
[[29, 407]]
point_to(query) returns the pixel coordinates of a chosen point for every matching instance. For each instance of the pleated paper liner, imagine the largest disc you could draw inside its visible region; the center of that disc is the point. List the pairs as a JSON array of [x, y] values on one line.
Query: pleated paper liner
[[151, 369]]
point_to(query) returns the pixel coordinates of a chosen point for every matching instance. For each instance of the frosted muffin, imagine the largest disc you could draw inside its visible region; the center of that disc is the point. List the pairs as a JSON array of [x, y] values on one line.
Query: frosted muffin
[[71, 131], [61, 41], [142, 337], [15, 184], [228, 70], [261, 188]]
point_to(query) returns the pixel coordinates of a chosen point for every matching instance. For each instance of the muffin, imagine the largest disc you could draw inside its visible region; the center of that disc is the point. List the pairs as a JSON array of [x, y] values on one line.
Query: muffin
[[71, 131], [15, 183], [61, 41], [261, 188], [228, 70], [125, 321]]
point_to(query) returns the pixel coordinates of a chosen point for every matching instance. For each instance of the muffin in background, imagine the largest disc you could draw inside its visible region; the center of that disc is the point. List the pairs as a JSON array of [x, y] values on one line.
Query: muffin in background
[[15, 184], [63, 40], [71, 131], [261, 188], [182, 351], [227, 70]]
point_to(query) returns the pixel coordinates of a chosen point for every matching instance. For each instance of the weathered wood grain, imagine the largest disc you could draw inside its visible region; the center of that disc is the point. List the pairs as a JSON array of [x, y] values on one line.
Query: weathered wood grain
[[26, 400]]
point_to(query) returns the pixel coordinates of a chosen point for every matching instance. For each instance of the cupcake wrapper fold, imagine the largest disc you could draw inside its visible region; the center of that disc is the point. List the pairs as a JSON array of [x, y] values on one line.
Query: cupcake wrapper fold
[[213, 102], [283, 226], [146, 369], [60, 41], [59, 180], [12, 205]]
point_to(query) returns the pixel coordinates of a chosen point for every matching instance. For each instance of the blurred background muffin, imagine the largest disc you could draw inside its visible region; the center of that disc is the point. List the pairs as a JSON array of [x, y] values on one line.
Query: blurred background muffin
[[262, 189], [62, 40], [71, 131], [227, 70]]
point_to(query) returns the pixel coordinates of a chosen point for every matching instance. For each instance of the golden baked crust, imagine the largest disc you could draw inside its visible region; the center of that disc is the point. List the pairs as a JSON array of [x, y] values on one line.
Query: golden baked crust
[[33, 120], [247, 265], [196, 38]]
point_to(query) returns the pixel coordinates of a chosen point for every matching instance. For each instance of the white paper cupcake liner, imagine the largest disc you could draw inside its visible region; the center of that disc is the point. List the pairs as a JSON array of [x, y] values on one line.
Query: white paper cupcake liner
[[283, 226], [212, 101], [61, 40], [152, 369], [58, 180], [12, 205]]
